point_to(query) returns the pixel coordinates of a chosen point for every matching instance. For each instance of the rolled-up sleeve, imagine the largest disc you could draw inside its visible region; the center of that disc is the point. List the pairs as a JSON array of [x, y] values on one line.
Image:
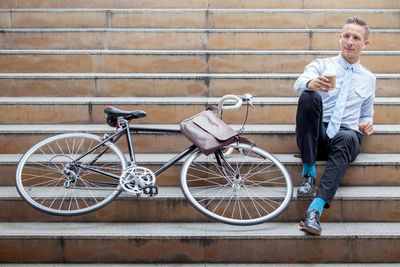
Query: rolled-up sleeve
[[311, 72]]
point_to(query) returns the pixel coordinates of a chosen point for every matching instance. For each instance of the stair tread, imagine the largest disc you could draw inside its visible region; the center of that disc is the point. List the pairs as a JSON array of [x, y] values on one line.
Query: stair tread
[[219, 10], [169, 192], [156, 158], [348, 230], [104, 75], [189, 30], [159, 100], [182, 52], [101, 128]]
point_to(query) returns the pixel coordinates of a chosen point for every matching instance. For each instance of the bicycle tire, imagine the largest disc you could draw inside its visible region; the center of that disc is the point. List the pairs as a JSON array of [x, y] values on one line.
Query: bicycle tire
[[261, 192], [42, 181]]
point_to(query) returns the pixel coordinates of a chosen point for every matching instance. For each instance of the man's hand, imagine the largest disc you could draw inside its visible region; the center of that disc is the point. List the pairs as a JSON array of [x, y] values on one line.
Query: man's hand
[[366, 127], [320, 84]]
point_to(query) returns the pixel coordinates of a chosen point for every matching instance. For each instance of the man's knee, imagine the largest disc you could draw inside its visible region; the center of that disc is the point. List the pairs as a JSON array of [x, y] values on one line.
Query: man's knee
[[310, 101], [347, 141], [308, 96]]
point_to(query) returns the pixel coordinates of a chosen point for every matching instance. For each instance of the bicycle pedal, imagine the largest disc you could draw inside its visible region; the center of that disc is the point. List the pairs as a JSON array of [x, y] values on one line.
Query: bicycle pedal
[[151, 190]]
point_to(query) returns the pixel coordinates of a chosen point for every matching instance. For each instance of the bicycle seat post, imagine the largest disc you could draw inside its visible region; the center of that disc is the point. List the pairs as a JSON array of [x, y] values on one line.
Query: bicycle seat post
[[125, 125]]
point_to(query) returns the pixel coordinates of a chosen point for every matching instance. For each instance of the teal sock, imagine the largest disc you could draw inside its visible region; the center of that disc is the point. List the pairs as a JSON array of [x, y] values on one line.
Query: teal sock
[[309, 168], [318, 204]]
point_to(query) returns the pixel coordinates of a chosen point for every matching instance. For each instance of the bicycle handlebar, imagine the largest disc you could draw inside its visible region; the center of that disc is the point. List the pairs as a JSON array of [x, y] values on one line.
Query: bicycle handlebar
[[237, 102]]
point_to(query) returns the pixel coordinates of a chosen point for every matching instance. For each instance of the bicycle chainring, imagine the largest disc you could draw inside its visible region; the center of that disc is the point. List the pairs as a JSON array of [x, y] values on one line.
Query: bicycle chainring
[[137, 180]]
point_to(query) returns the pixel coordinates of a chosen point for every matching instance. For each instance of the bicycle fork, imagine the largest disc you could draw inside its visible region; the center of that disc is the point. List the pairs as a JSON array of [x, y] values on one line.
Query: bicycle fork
[[235, 179]]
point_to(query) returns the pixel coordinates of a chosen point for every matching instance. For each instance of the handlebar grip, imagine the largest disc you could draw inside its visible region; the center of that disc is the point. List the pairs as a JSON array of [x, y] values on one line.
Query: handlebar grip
[[222, 107]]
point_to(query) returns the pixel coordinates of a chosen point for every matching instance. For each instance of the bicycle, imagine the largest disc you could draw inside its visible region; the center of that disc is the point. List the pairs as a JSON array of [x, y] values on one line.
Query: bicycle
[[78, 173]]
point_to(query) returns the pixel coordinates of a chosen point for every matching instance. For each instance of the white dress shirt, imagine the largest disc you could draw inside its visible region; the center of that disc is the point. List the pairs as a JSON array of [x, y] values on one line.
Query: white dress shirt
[[359, 105]]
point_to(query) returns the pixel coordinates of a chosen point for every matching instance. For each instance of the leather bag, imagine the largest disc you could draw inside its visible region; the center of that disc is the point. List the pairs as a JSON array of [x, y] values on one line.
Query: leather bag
[[208, 132]]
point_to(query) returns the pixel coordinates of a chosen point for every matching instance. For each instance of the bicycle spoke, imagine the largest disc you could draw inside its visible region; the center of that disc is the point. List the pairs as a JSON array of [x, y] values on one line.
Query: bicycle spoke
[[51, 180], [255, 186]]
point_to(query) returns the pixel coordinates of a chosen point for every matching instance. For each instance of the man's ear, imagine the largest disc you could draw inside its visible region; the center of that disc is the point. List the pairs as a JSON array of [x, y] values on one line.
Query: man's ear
[[365, 44]]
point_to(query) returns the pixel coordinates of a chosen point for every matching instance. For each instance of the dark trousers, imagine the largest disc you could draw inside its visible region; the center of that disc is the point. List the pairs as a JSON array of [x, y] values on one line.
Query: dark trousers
[[314, 144]]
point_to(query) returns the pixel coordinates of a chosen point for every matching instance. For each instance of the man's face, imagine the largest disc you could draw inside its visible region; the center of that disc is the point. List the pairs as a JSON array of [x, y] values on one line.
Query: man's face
[[352, 41]]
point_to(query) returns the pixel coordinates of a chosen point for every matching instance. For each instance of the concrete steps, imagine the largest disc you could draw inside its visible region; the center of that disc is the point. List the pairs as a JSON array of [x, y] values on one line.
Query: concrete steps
[[197, 39], [194, 18], [163, 84], [62, 62], [165, 61], [275, 138], [351, 204], [223, 4], [367, 170], [161, 109], [197, 242]]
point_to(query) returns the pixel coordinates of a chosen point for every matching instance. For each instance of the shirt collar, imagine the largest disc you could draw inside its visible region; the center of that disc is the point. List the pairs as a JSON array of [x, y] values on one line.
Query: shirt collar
[[345, 64]]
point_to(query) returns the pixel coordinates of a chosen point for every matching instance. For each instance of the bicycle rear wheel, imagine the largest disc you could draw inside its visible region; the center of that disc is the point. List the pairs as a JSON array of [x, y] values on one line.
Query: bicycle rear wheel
[[53, 177], [250, 187]]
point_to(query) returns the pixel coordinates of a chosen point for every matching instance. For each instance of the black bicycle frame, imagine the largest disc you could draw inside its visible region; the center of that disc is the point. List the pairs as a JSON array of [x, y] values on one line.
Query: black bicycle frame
[[125, 129], [172, 161]]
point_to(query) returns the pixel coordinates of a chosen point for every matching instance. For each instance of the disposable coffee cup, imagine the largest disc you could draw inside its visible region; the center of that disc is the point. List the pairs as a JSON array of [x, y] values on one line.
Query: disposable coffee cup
[[331, 75]]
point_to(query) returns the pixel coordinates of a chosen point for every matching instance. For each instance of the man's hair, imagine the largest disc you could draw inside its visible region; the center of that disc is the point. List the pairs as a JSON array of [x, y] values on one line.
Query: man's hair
[[358, 21]]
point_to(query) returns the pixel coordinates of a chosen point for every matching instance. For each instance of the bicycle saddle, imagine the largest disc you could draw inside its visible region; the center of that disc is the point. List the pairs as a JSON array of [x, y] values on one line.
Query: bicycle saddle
[[112, 115]]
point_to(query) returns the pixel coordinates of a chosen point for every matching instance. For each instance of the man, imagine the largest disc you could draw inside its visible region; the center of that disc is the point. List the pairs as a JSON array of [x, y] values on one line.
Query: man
[[330, 121]]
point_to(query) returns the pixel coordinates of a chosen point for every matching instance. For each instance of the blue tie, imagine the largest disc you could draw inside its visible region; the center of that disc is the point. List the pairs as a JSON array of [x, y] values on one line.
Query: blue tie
[[336, 118]]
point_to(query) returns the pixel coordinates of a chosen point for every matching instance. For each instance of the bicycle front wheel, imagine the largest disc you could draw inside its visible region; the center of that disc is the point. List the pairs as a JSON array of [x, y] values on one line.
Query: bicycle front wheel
[[58, 176], [249, 187]]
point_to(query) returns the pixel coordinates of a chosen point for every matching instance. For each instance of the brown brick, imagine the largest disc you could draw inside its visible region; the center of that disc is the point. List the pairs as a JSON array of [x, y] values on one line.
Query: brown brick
[[65, 4], [153, 63], [24, 250], [133, 250], [58, 19], [2, 44], [344, 4], [261, 40], [53, 40], [256, 87], [9, 4], [387, 87], [4, 20], [379, 64], [159, 19], [387, 114], [151, 87], [44, 114], [47, 87], [256, 4], [380, 143], [49, 63], [249, 20], [156, 40], [160, 4], [259, 63]]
